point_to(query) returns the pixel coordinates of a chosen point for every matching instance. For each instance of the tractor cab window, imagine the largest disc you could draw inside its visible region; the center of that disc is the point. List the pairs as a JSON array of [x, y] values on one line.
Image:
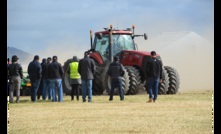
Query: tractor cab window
[[101, 45], [120, 42]]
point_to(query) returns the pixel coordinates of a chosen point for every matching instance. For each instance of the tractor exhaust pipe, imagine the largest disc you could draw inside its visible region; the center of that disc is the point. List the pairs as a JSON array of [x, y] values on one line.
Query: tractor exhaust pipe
[[110, 45], [91, 37]]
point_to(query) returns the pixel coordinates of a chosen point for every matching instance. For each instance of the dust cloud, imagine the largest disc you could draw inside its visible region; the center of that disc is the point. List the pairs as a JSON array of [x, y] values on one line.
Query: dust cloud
[[190, 54], [63, 50]]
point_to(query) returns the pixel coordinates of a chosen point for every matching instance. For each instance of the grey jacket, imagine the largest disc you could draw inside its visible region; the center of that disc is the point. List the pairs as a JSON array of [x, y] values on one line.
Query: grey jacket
[[116, 70], [86, 68]]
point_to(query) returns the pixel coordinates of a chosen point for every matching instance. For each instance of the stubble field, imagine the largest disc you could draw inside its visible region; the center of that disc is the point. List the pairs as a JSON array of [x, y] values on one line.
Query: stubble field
[[183, 113]]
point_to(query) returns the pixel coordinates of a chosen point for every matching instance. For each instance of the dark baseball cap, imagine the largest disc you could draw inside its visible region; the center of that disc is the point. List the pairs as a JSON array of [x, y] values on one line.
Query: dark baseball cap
[[15, 58]]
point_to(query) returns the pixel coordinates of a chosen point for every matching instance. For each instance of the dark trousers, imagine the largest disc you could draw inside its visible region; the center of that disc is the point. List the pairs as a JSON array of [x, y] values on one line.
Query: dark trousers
[[75, 91], [116, 83], [34, 89], [40, 89]]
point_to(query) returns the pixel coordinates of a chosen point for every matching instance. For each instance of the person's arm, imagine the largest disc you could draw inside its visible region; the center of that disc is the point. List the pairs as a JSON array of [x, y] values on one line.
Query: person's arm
[[162, 74], [92, 66], [61, 70], [122, 70], [39, 71], [20, 71], [79, 67]]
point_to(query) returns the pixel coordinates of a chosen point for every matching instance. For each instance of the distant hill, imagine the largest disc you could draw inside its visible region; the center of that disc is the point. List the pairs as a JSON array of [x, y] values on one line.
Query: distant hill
[[24, 57]]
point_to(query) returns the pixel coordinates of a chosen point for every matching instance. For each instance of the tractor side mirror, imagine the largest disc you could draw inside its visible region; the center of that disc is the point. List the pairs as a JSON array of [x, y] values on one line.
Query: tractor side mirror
[[99, 36], [145, 36]]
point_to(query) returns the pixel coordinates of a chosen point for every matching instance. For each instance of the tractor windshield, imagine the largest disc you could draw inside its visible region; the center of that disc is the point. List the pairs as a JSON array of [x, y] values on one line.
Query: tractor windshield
[[120, 42]]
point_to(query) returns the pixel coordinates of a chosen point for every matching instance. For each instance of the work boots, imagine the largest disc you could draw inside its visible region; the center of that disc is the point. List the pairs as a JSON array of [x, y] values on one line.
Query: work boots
[[150, 100]]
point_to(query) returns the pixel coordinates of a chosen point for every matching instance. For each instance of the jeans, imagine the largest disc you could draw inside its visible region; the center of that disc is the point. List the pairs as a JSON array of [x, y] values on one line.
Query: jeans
[[116, 83], [152, 87], [56, 86], [34, 89], [87, 85], [47, 91]]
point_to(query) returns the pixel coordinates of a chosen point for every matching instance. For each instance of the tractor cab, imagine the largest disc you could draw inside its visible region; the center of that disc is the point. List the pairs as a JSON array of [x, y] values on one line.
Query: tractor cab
[[111, 42], [120, 42]]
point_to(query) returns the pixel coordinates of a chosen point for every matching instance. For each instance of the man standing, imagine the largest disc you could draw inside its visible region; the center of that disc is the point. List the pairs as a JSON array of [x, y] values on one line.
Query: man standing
[[75, 77], [116, 71], [86, 69], [153, 76], [56, 73], [34, 72], [15, 75], [46, 81]]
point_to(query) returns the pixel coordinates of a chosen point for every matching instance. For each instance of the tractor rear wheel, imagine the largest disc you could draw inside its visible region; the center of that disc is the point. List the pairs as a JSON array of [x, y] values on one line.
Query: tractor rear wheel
[[174, 80], [163, 87], [133, 80], [98, 81], [66, 78]]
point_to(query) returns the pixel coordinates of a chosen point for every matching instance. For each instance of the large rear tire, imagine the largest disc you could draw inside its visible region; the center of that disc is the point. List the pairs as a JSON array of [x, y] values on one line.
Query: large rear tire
[[66, 78], [174, 80], [98, 81], [132, 80], [163, 87]]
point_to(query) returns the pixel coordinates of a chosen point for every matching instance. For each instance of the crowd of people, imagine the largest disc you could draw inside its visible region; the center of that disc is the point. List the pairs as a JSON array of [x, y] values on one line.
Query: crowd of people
[[46, 78]]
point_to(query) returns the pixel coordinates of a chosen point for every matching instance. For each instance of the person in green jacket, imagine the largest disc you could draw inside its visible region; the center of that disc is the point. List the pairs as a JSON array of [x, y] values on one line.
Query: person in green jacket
[[75, 77]]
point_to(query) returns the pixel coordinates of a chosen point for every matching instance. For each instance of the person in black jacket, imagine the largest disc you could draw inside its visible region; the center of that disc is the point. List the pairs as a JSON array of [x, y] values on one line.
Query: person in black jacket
[[154, 75], [15, 72], [56, 73], [34, 72], [40, 89], [46, 81], [116, 71], [86, 69]]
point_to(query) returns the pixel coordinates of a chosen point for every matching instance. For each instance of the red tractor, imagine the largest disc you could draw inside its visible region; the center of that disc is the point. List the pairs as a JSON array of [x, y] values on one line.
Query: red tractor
[[112, 42]]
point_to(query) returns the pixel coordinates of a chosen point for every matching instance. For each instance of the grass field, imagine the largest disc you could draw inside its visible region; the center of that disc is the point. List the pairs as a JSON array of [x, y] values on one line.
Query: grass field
[[183, 113]]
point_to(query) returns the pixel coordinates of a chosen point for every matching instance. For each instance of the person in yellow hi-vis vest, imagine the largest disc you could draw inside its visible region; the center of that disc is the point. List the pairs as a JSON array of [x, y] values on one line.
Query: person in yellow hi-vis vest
[[75, 77]]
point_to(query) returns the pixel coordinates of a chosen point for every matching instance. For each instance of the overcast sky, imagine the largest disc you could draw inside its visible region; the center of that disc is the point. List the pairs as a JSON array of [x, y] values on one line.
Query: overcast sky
[[39, 25]]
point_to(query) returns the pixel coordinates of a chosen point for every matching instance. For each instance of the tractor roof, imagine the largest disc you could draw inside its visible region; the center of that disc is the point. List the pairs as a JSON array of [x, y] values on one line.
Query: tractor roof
[[116, 31]]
